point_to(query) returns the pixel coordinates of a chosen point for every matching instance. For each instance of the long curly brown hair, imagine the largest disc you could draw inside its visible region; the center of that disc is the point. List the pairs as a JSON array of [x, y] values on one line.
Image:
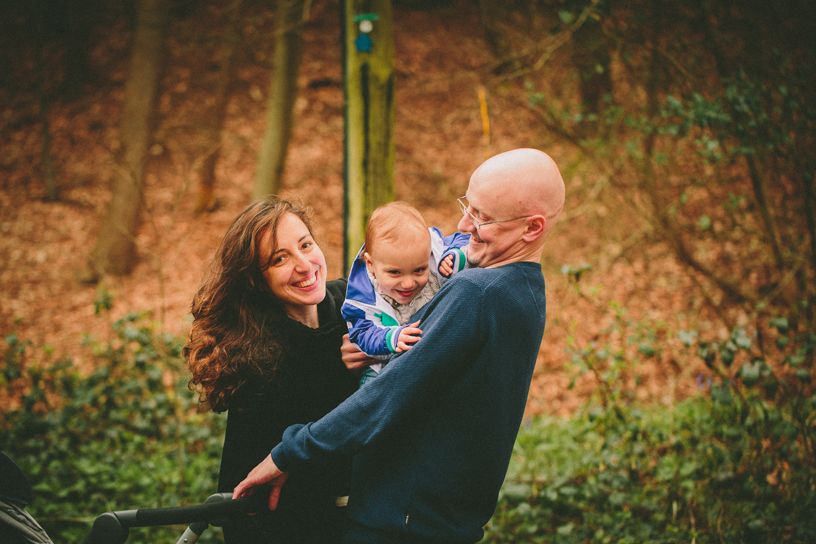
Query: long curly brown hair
[[234, 308]]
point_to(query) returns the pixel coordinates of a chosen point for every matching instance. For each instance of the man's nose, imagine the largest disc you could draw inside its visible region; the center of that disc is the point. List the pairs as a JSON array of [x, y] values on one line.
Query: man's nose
[[465, 224]]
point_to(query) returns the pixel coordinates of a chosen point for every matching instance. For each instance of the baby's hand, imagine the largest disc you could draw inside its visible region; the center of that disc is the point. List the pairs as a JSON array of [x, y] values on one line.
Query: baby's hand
[[408, 337], [446, 266]]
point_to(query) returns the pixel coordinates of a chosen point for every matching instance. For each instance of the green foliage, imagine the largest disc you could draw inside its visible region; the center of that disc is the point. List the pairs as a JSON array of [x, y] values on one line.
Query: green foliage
[[708, 136], [125, 436], [735, 463], [696, 473]]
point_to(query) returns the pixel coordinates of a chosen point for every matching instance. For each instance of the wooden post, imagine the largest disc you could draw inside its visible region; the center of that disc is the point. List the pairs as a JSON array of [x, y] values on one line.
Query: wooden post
[[368, 73]]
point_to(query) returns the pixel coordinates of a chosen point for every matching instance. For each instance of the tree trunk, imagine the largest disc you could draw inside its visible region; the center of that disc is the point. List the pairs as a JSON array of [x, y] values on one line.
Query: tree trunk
[[51, 191], [115, 249], [590, 55], [80, 19], [214, 120], [289, 21], [370, 109]]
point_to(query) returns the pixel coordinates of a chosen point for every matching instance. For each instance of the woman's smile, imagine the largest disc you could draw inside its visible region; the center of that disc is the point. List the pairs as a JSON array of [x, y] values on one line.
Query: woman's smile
[[308, 282]]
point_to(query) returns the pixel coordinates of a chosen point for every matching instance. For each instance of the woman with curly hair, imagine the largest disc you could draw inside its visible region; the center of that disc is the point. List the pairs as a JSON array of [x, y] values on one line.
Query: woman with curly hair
[[265, 346]]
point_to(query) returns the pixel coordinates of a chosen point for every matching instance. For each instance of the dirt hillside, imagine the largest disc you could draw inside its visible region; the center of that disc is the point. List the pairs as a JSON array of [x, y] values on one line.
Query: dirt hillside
[[440, 63]]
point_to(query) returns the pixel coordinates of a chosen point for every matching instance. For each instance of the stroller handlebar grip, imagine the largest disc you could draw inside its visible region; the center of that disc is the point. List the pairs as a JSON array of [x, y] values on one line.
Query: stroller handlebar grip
[[113, 527]]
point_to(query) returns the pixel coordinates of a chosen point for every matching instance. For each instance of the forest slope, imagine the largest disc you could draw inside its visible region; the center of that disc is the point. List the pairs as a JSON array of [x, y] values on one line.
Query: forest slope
[[441, 63]]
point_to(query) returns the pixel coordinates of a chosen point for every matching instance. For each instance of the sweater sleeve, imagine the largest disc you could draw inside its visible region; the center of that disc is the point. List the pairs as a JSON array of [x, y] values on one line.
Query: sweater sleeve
[[457, 240], [370, 328], [448, 342], [454, 245], [375, 341]]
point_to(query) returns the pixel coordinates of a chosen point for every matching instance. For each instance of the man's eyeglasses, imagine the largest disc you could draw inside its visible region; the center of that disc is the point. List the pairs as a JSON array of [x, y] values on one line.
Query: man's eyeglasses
[[463, 203]]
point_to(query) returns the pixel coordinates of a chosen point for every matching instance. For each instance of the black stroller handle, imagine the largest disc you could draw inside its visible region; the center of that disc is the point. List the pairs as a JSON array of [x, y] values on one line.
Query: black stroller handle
[[113, 527]]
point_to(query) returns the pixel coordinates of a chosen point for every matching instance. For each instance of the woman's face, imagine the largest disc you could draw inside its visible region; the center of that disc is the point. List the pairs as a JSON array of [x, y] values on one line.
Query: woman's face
[[297, 271]]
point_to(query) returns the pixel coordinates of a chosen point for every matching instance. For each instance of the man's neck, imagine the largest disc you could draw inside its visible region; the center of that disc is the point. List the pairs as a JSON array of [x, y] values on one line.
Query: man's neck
[[531, 257]]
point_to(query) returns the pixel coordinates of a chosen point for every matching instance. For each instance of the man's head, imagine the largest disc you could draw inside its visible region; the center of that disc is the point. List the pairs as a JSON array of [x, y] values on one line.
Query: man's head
[[513, 202]]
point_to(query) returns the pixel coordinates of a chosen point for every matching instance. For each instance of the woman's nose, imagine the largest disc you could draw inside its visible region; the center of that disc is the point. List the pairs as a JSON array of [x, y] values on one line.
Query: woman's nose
[[302, 264]]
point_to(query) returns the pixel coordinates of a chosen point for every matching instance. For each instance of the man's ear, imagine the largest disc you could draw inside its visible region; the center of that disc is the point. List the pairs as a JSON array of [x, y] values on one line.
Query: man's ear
[[534, 228]]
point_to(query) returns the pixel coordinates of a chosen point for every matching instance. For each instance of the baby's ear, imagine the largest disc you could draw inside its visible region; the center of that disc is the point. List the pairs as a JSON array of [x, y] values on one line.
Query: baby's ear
[[369, 264]]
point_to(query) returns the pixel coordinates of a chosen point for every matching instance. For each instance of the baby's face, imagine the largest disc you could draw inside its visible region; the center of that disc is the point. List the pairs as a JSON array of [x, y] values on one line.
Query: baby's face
[[401, 270]]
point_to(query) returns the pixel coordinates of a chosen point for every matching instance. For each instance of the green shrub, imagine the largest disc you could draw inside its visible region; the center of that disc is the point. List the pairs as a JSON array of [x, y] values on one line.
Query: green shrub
[[126, 436], [734, 463], [692, 474]]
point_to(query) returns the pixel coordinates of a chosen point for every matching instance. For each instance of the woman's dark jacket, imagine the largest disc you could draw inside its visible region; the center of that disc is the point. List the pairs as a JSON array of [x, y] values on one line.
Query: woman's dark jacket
[[309, 381]]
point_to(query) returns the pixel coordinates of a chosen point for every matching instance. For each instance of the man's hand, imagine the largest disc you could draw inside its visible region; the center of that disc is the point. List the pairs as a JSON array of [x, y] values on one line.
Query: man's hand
[[408, 337], [266, 472], [352, 357]]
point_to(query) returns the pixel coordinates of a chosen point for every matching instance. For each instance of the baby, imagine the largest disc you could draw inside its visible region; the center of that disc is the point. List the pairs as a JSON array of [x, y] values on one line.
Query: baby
[[400, 267]]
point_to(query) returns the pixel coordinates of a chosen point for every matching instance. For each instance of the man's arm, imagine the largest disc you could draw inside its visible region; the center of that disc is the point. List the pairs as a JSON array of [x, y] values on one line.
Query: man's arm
[[452, 329], [401, 387], [267, 471]]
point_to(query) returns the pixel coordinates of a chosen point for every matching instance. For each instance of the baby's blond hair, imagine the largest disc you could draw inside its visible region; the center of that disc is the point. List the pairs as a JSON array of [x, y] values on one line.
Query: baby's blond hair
[[395, 221]]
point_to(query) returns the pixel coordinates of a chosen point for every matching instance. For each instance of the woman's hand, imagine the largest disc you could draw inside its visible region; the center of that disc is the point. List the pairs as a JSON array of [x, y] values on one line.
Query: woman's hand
[[353, 358]]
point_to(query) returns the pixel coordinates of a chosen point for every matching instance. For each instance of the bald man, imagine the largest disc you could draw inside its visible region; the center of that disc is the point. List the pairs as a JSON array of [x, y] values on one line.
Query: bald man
[[433, 434]]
